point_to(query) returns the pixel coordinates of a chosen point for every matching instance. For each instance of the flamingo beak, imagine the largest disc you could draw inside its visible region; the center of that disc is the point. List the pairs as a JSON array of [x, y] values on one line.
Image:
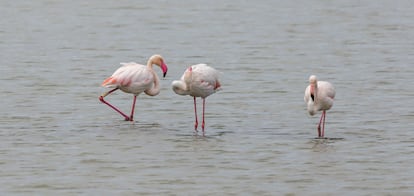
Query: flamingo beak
[[164, 69], [312, 92]]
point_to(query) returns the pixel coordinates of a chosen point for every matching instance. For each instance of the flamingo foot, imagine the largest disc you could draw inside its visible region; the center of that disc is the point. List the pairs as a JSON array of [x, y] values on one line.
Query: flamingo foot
[[101, 98]]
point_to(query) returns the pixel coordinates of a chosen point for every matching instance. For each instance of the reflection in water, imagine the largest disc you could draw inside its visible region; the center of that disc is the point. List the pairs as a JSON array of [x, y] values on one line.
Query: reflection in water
[[324, 144]]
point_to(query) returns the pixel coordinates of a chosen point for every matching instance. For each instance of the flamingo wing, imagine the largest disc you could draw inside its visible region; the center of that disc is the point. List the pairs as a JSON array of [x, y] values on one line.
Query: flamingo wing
[[204, 80], [131, 78], [326, 89], [326, 94]]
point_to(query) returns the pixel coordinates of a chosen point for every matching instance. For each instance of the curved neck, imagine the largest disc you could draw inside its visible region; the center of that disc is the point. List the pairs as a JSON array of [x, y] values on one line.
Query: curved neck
[[179, 87], [149, 64], [155, 89]]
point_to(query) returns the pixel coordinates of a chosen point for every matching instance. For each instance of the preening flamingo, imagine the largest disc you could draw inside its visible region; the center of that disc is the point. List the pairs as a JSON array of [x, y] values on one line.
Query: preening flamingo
[[135, 78], [198, 81], [319, 96]]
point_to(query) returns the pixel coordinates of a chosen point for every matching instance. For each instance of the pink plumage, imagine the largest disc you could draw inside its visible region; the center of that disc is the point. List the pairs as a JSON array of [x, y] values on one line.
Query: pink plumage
[[135, 78], [319, 96], [198, 81]]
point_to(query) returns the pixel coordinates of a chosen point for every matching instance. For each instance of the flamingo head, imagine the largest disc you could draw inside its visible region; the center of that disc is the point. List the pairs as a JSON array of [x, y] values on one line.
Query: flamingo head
[[313, 79], [158, 60]]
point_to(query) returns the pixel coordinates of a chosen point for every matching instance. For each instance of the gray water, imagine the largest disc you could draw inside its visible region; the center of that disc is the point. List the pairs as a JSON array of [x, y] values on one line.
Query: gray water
[[58, 139]]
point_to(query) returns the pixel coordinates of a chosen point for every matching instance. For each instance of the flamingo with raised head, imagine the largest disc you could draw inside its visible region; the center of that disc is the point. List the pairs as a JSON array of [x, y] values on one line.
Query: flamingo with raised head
[[135, 78], [198, 81], [319, 96]]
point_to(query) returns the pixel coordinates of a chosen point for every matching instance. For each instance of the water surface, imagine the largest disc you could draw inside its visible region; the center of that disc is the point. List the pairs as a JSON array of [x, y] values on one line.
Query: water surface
[[57, 138]]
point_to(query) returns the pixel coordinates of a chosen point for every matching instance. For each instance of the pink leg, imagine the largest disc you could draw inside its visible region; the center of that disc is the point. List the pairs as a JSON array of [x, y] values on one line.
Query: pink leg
[[323, 125], [133, 108], [195, 112], [204, 107], [319, 126], [101, 98]]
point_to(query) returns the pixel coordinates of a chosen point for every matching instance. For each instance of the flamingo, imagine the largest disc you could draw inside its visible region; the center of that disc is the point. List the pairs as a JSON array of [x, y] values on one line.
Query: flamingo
[[198, 81], [135, 78], [319, 96]]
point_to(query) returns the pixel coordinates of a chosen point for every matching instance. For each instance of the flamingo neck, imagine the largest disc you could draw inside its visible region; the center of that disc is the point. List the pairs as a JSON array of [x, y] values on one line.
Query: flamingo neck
[[155, 89], [149, 64], [180, 87], [311, 107]]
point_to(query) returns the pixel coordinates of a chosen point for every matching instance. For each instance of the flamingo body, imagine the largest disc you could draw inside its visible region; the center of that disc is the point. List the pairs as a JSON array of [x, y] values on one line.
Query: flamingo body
[[135, 78], [131, 78], [198, 81], [319, 96]]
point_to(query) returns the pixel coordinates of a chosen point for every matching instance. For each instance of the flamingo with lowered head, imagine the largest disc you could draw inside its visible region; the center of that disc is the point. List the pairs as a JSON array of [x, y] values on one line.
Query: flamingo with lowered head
[[198, 81], [135, 78], [319, 96]]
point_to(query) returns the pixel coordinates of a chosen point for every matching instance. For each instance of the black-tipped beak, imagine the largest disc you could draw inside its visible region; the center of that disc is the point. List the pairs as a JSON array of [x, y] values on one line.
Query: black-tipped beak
[[164, 69]]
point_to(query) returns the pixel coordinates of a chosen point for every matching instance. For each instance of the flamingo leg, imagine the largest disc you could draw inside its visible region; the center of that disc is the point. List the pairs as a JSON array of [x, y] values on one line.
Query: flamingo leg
[[133, 108], [101, 98], [323, 125], [319, 126], [321, 132], [204, 107], [195, 112]]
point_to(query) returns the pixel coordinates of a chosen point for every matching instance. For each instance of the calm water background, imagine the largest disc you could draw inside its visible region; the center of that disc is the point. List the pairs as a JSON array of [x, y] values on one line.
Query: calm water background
[[57, 138]]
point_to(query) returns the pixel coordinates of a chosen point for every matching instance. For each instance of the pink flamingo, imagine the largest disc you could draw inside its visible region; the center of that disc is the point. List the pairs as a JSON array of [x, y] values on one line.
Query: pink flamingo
[[319, 96], [135, 78], [198, 81]]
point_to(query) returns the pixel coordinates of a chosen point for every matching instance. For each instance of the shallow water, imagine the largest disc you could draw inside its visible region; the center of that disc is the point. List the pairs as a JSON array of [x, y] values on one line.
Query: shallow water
[[57, 138]]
